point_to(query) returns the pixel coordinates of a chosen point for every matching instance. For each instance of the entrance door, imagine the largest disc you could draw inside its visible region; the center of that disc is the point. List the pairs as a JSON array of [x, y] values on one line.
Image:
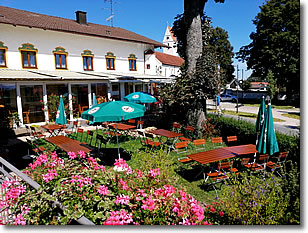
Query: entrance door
[[32, 108]]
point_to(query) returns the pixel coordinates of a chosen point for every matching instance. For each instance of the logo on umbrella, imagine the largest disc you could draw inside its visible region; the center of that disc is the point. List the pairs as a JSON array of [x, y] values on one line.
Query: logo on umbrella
[[128, 109], [135, 96], [93, 110]]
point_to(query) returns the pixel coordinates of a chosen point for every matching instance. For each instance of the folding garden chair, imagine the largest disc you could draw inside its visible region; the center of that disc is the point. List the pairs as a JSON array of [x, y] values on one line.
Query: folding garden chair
[[199, 144], [282, 158], [231, 140], [176, 127], [217, 142]]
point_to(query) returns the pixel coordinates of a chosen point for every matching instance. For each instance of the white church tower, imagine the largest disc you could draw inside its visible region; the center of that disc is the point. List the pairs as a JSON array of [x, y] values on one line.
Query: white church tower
[[171, 41]]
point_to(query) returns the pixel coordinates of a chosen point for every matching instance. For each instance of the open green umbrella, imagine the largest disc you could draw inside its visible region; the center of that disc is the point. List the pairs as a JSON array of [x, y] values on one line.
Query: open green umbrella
[[61, 117], [140, 98], [114, 111], [267, 143]]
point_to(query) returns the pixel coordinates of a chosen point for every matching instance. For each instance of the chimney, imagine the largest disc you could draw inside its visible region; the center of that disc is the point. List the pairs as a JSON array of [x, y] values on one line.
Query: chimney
[[81, 17]]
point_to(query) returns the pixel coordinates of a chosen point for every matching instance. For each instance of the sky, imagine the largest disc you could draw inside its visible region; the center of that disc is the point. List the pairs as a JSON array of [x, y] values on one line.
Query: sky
[[150, 18]]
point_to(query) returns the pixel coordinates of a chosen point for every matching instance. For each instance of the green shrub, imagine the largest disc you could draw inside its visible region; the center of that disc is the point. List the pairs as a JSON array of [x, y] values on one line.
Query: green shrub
[[245, 132], [253, 200], [149, 159]]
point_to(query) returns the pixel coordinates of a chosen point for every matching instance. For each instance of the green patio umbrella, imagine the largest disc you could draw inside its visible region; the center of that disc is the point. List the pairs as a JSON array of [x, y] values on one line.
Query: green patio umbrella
[[114, 111], [140, 98], [94, 101], [261, 114], [267, 143], [61, 117], [260, 118]]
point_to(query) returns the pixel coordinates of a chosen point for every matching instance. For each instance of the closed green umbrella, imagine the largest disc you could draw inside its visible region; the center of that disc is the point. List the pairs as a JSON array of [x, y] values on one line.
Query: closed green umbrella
[[261, 115], [267, 143], [140, 98], [114, 111], [94, 101], [61, 117]]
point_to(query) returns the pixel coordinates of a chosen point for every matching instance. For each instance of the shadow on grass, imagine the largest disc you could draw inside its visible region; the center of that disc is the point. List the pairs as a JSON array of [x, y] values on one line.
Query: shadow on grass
[[109, 155], [191, 174]]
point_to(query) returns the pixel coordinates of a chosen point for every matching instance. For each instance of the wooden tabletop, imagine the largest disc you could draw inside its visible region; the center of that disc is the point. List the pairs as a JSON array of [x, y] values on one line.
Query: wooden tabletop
[[52, 127], [67, 144], [166, 133], [211, 156], [121, 126], [242, 149]]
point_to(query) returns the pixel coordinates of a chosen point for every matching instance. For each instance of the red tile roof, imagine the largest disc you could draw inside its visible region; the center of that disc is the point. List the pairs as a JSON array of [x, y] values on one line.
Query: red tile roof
[[169, 59], [30, 19]]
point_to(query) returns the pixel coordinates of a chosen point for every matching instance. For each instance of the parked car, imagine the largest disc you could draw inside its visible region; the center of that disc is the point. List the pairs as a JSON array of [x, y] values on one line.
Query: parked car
[[227, 97]]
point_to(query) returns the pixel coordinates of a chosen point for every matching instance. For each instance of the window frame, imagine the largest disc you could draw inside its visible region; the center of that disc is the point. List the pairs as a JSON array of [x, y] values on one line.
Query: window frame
[[60, 51], [4, 58], [110, 57], [28, 48], [86, 55], [132, 58], [4, 49]]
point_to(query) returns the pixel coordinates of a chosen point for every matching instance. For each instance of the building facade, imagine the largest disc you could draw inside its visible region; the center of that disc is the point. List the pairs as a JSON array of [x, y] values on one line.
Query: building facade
[[43, 56]]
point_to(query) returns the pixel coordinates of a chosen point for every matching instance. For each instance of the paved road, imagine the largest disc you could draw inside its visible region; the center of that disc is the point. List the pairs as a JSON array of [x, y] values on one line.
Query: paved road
[[288, 126]]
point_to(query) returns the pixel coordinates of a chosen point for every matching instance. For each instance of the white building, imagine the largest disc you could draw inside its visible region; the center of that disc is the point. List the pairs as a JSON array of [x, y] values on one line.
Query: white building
[[41, 55], [171, 42]]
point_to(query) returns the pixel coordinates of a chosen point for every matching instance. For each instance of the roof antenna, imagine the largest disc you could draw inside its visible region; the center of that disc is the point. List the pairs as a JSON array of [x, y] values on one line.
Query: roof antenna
[[110, 18]]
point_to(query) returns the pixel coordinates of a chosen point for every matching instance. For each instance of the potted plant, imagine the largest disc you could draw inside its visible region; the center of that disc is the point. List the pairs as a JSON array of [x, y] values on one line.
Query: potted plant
[[14, 117]]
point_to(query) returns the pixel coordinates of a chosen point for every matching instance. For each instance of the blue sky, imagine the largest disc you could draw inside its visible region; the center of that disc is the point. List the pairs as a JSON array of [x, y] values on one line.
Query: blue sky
[[150, 18]]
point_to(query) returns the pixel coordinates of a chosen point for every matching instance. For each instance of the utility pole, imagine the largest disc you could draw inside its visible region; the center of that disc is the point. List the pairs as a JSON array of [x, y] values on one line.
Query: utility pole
[[237, 89]]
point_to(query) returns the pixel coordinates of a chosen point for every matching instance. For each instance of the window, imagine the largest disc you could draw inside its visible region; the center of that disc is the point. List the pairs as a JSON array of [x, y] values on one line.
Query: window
[[110, 61], [148, 66], [87, 58], [2, 58], [2, 54], [28, 56], [60, 58], [132, 62]]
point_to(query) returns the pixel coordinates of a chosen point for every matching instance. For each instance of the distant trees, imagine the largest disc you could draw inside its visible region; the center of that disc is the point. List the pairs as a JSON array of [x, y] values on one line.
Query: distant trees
[[275, 45]]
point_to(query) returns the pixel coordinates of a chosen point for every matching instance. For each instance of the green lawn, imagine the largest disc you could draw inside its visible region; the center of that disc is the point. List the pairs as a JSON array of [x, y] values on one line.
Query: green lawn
[[294, 115], [245, 114], [273, 106]]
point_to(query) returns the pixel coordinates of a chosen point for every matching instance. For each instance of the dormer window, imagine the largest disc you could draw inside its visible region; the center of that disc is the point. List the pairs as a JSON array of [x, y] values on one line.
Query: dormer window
[[28, 56], [2, 55], [60, 58], [87, 57], [132, 62], [110, 61]]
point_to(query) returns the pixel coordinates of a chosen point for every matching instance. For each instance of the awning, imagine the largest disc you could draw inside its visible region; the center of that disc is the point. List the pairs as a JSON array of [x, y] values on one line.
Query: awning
[[35, 75]]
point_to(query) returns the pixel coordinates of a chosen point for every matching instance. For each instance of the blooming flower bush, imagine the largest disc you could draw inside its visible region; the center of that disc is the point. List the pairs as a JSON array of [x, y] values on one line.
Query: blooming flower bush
[[107, 197]]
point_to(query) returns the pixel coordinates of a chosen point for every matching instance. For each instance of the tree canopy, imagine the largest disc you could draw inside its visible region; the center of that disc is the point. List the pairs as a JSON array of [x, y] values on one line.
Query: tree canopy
[[275, 45]]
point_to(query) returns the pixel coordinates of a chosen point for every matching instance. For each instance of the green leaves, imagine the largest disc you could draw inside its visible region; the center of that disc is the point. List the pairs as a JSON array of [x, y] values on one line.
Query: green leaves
[[275, 44]]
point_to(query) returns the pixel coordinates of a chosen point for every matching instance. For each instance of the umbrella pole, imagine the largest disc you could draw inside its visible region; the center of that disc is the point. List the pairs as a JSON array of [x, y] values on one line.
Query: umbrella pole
[[117, 141]]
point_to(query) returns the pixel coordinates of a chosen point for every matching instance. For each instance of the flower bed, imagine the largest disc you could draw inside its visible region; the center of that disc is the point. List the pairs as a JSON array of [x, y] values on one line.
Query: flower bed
[[118, 196]]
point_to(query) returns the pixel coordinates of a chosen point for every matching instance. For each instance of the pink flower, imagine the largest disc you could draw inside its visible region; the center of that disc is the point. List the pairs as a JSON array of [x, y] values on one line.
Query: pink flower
[[82, 154], [122, 199], [72, 155], [119, 218], [221, 213], [124, 184], [148, 204], [52, 174], [102, 189]]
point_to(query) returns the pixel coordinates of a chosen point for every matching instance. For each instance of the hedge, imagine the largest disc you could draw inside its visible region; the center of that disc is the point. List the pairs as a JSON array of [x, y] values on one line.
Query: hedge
[[245, 132]]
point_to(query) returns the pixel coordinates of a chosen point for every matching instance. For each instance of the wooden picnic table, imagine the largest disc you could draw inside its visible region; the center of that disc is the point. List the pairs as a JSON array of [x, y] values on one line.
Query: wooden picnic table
[[166, 133], [121, 126], [52, 129], [67, 144], [242, 149], [211, 156]]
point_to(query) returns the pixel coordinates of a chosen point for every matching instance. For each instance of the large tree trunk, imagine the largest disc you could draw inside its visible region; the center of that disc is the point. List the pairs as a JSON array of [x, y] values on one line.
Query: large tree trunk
[[193, 10]]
